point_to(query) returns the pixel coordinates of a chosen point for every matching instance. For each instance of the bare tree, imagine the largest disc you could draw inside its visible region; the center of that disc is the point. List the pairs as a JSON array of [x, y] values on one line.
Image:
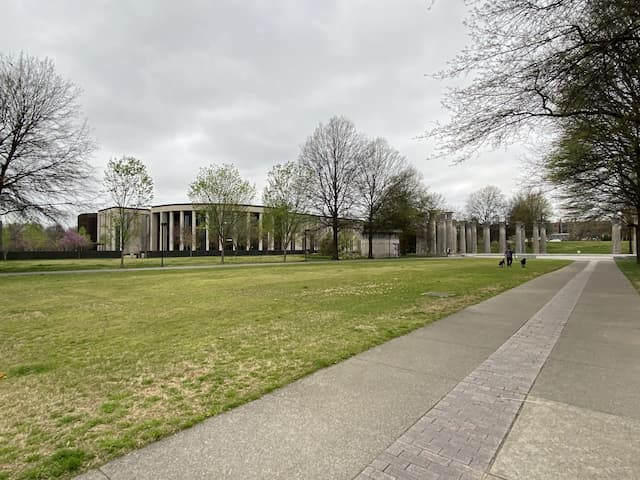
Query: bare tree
[[131, 188], [286, 200], [485, 204], [220, 194], [537, 64], [44, 144], [378, 168], [330, 156]]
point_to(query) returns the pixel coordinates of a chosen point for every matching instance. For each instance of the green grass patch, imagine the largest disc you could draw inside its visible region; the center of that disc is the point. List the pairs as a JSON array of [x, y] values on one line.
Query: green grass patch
[[586, 246], [632, 270], [18, 266], [100, 363]]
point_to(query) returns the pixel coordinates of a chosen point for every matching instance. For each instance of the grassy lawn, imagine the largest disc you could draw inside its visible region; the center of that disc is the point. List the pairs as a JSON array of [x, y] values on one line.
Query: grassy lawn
[[584, 247], [12, 266], [97, 364], [632, 270]]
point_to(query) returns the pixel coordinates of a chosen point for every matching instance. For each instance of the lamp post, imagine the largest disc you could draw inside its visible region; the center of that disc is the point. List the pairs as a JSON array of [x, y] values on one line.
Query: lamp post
[[162, 237]]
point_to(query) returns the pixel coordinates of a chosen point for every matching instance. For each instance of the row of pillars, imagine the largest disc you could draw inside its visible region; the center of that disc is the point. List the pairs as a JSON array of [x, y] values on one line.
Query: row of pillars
[[462, 237], [449, 236]]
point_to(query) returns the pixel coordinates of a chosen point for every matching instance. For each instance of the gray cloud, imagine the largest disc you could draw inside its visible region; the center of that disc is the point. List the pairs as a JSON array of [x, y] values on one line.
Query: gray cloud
[[185, 84]]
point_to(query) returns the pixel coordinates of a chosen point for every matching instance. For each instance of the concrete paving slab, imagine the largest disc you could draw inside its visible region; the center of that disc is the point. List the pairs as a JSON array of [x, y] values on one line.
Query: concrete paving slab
[[483, 334], [609, 390], [557, 441], [614, 356], [428, 356]]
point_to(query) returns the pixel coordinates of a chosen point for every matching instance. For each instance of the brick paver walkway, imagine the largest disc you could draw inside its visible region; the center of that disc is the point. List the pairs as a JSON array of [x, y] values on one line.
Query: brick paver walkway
[[459, 437]]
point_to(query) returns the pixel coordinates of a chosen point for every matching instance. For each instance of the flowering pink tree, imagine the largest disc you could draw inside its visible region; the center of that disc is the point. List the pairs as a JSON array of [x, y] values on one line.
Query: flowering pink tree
[[73, 240]]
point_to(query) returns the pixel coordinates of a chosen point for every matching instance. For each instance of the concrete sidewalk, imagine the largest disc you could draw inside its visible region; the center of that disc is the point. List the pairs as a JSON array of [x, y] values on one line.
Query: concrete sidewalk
[[540, 382]]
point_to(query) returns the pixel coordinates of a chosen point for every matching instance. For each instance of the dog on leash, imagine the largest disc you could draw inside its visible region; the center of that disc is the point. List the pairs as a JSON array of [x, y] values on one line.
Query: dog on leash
[[523, 262], [501, 263]]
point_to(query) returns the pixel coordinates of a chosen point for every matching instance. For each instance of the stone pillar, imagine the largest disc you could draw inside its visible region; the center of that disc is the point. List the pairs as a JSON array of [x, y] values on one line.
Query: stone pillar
[[206, 232], [170, 216], [543, 238], [452, 235], [503, 237], [462, 235], [441, 238], [615, 236], [449, 226], [260, 215], [519, 237], [474, 237], [469, 239], [248, 231], [486, 237], [193, 230], [154, 236], [535, 238], [432, 237], [181, 246]]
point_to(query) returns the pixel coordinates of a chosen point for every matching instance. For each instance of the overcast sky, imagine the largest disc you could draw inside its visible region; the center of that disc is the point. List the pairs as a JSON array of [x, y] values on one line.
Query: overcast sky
[[184, 84]]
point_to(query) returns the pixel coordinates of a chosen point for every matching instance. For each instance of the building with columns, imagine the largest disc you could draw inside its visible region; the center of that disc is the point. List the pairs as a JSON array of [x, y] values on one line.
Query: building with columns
[[181, 227]]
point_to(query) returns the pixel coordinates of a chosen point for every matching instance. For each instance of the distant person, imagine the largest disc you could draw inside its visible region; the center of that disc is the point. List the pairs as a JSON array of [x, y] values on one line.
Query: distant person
[[508, 254]]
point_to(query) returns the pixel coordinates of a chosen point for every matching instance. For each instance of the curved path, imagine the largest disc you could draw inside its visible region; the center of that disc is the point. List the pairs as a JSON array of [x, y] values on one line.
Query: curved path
[[540, 382]]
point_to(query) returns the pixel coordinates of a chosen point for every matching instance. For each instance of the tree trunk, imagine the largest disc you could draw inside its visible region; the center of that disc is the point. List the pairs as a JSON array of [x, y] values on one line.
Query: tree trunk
[[121, 249], [370, 238], [334, 226]]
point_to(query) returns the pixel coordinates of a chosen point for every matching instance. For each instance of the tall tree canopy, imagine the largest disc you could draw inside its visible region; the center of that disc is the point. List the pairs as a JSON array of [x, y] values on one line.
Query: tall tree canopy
[[131, 188], [44, 142], [569, 67], [286, 201], [220, 195], [378, 170], [330, 156], [485, 204]]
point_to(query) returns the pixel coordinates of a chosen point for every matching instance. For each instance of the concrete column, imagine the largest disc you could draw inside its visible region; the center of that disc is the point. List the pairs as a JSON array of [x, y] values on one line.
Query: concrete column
[[615, 236], [181, 247], [432, 237], [469, 239], [260, 215], [454, 237], [206, 232], [474, 237], [535, 238], [193, 230], [462, 235], [154, 237], [543, 238], [450, 232], [503, 237], [441, 238], [519, 229], [486, 237], [170, 215], [271, 241], [248, 231]]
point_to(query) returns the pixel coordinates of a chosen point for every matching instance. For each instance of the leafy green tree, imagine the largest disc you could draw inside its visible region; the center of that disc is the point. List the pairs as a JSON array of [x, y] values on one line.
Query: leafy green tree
[[286, 201], [220, 194], [407, 208], [529, 207], [131, 188]]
